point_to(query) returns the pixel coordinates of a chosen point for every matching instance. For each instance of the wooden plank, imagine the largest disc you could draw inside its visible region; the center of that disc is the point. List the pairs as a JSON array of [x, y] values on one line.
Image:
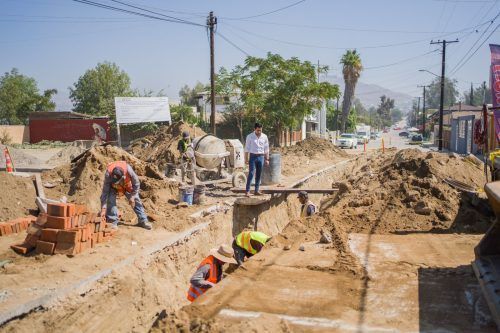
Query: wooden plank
[[289, 190], [39, 187]]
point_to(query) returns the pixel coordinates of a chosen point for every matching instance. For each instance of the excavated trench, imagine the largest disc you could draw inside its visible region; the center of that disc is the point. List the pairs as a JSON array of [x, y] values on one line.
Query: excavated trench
[[131, 296]]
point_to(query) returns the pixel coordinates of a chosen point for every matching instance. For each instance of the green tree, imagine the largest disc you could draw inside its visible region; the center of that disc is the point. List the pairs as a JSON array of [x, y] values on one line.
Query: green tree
[[384, 110], [477, 95], [396, 115], [351, 69], [19, 96], [188, 95], [183, 113], [281, 92], [434, 93], [95, 90]]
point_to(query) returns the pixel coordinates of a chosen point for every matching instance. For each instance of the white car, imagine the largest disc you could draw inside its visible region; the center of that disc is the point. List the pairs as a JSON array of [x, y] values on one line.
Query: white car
[[347, 140]]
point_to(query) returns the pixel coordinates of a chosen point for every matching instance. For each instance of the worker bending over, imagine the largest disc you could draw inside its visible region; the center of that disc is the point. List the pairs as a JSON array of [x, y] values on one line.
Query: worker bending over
[[120, 179], [209, 272], [248, 243], [307, 208]]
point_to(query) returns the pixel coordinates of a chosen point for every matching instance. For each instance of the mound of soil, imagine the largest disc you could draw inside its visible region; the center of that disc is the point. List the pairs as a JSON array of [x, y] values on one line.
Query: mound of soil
[[307, 152], [160, 148], [405, 191], [66, 155], [18, 196], [19, 158], [82, 182]]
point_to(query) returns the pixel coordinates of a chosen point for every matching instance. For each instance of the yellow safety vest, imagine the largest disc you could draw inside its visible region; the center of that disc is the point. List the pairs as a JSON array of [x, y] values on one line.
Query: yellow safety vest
[[243, 240]]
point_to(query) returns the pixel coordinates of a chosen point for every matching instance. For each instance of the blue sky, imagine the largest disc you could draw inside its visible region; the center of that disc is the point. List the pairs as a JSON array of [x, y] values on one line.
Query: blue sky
[[55, 41]]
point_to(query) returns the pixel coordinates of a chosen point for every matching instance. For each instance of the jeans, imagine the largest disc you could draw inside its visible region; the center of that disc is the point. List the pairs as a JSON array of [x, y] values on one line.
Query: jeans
[[112, 210], [256, 164]]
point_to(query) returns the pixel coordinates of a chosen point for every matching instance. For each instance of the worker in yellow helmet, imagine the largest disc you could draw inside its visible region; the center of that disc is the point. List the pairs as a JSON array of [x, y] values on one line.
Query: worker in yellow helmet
[[248, 243]]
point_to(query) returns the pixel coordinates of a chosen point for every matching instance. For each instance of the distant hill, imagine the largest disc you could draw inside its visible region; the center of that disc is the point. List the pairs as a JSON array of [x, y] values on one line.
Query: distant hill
[[369, 94]]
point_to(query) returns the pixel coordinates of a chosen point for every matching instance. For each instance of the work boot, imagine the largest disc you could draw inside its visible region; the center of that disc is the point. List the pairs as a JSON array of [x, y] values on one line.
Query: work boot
[[145, 224]]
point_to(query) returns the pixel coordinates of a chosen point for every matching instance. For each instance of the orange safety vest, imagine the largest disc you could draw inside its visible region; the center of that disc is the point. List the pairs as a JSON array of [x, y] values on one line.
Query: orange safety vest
[[127, 185], [195, 292]]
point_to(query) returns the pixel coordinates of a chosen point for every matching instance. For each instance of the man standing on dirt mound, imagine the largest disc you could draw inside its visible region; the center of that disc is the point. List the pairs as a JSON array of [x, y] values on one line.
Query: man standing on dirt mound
[[257, 154], [120, 179], [209, 272], [248, 243]]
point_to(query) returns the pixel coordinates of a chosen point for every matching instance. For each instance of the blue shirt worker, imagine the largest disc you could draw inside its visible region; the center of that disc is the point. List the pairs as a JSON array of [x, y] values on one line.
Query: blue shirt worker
[[121, 180], [257, 154]]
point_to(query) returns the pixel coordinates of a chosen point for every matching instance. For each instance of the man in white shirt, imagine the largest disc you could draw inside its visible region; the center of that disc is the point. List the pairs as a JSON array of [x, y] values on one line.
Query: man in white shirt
[[257, 154]]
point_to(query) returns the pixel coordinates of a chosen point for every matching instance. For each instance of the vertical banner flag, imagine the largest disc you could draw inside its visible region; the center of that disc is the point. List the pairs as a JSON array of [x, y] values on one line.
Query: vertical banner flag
[[495, 85]]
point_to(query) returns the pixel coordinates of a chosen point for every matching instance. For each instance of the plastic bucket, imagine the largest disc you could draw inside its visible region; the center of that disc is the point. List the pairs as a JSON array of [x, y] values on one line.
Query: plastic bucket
[[272, 174], [199, 195], [186, 194]]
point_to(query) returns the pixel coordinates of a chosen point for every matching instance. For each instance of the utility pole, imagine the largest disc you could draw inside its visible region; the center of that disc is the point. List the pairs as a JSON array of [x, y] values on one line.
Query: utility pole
[[471, 97], [441, 99], [418, 111], [424, 118], [484, 92], [211, 22]]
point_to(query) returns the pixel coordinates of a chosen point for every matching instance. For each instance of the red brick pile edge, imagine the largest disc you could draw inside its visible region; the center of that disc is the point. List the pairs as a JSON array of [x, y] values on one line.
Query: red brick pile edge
[[65, 229], [16, 225]]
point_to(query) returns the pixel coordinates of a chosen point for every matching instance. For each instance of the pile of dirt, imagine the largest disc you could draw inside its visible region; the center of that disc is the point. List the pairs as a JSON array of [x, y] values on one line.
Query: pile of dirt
[[405, 191], [66, 155], [307, 151], [18, 197], [160, 148], [82, 182], [19, 158]]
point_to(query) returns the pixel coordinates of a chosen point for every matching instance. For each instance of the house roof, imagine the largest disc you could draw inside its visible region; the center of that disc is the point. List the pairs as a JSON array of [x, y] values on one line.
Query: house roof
[[63, 115]]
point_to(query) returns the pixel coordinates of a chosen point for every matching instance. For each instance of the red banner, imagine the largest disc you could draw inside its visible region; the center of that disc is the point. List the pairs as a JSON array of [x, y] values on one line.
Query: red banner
[[495, 74]]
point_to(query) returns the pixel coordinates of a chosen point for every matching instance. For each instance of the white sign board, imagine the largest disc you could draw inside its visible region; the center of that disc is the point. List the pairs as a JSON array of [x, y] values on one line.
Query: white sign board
[[131, 110]]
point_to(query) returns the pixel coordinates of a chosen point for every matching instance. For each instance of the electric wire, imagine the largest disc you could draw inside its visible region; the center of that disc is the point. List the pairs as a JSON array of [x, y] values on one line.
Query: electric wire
[[266, 13], [233, 44]]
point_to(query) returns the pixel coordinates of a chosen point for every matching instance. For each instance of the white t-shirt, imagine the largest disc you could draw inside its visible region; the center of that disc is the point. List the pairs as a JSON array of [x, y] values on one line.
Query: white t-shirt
[[257, 145]]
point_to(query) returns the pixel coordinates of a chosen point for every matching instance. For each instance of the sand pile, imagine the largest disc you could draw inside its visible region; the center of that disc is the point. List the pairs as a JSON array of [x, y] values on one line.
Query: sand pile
[[18, 196], [66, 155], [405, 191], [19, 158], [82, 182], [307, 152], [160, 148]]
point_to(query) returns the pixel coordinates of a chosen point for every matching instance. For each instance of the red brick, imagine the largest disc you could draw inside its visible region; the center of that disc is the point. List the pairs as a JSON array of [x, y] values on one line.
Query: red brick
[[94, 240], [100, 237], [57, 209], [84, 234], [34, 229], [55, 222], [2, 230], [68, 236], [30, 241], [20, 249], [67, 248], [84, 246], [45, 247], [70, 209], [49, 235]]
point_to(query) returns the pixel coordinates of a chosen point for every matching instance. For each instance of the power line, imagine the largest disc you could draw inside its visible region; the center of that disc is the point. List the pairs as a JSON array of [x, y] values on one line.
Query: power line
[[266, 13], [100, 5], [233, 44], [401, 61], [344, 48], [151, 12], [477, 49]]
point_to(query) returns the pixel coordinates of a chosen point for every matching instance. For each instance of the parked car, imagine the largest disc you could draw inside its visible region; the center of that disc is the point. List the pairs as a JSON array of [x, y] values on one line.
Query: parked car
[[386, 130], [373, 136], [404, 133], [347, 140], [417, 138]]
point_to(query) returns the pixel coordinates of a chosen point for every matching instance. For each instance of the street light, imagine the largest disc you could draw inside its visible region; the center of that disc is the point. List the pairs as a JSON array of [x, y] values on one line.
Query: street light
[[425, 70]]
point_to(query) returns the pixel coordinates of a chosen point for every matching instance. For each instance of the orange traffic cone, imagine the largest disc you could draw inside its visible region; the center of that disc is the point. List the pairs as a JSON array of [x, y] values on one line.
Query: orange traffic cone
[[8, 162]]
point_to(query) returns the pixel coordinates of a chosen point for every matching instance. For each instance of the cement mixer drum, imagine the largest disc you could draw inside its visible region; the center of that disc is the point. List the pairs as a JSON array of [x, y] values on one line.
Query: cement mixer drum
[[209, 151]]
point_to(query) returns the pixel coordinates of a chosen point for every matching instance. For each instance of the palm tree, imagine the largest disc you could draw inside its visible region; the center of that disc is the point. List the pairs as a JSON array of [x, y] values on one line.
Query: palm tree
[[351, 68]]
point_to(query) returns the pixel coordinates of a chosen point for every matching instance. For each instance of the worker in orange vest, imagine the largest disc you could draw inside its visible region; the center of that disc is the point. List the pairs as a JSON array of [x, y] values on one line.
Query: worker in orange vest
[[120, 179], [209, 272]]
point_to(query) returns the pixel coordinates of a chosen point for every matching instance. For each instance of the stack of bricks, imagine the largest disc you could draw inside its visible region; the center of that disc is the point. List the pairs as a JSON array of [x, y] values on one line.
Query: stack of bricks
[[16, 225], [65, 229]]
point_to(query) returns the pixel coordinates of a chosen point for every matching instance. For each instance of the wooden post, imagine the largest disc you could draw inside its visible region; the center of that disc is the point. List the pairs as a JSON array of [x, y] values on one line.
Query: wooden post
[[118, 136]]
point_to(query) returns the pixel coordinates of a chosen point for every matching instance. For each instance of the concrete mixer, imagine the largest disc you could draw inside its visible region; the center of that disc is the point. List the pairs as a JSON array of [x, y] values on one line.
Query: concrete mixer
[[211, 153]]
